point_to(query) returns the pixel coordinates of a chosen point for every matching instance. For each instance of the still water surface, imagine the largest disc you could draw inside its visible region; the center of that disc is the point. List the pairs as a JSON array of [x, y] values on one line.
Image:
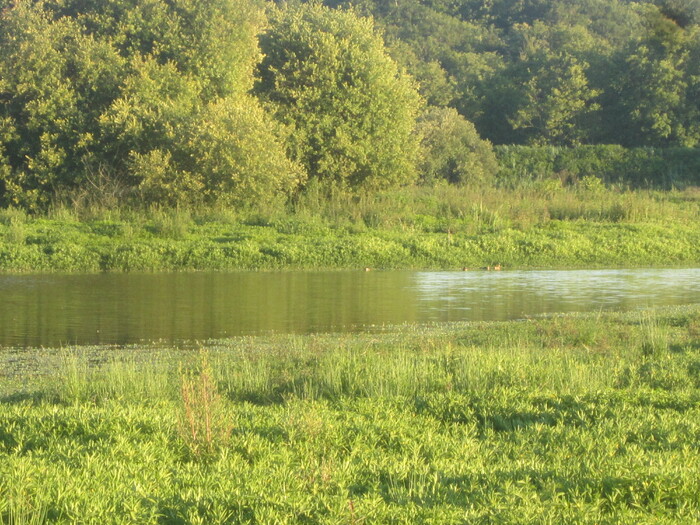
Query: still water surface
[[52, 310]]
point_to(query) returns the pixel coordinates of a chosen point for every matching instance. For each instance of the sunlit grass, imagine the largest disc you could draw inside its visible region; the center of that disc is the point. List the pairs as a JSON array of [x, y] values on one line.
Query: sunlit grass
[[438, 227], [570, 419]]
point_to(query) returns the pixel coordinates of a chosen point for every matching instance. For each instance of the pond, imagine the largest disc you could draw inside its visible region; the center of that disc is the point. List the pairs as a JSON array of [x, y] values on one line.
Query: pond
[[53, 310]]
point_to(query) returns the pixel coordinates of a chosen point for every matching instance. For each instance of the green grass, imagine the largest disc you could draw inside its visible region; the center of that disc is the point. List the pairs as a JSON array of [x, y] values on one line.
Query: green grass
[[441, 227], [569, 419]]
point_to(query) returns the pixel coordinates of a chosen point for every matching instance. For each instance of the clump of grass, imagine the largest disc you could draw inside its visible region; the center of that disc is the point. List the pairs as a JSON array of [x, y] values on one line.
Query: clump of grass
[[204, 426], [656, 339], [16, 233], [15, 220], [22, 503], [23, 512], [74, 383], [171, 223], [63, 213]]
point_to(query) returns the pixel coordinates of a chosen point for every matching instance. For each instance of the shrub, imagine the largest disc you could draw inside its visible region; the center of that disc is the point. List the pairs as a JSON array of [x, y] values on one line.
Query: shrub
[[453, 150]]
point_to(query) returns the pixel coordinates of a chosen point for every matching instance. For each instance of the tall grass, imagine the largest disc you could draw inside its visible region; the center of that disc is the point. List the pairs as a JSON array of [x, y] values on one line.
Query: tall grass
[[569, 419], [438, 227], [22, 503]]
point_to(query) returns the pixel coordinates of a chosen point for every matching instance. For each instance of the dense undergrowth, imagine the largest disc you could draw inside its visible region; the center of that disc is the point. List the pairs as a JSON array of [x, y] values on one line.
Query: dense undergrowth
[[414, 227], [570, 419]]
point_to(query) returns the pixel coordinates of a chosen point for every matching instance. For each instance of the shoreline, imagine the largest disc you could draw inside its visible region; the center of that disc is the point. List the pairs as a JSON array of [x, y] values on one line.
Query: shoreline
[[441, 228], [70, 247]]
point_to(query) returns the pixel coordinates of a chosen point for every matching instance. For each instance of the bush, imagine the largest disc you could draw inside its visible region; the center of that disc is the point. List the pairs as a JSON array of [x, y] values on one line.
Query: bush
[[453, 150], [637, 167]]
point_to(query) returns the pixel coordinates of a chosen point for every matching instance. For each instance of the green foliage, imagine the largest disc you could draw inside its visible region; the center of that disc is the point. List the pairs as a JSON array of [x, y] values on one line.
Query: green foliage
[[683, 12], [658, 91], [151, 95], [552, 420], [453, 150], [240, 152], [325, 73], [156, 101], [555, 105], [45, 116], [553, 72], [540, 222], [636, 167]]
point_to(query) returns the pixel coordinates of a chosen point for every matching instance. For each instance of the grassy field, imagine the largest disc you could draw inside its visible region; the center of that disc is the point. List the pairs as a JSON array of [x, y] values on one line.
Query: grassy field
[[445, 227], [569, 419]]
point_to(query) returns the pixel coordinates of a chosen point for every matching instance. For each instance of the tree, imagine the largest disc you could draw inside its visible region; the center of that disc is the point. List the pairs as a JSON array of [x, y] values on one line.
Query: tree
[[659, 83], [123, 88], [557, 101], [327, 75], [453, 150], [556, 104]]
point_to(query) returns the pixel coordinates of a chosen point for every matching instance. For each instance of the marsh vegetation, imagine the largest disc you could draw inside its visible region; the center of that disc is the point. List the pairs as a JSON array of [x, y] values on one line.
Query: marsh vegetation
[[572, 418], [540, 224]]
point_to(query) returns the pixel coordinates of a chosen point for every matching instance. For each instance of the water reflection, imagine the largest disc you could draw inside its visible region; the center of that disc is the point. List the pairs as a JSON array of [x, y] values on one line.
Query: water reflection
[[508, 295], [53, 310]]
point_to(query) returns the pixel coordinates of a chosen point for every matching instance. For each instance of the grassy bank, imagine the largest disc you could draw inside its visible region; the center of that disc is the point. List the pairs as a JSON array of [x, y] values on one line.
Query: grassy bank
[[443, 227], [572, 419]]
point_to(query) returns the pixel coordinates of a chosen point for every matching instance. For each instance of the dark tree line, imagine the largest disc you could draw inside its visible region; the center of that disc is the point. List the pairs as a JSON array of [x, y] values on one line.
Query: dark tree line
[[555, 72]]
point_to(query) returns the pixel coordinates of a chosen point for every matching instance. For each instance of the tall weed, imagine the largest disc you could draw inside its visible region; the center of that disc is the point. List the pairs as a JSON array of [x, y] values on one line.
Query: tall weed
[[204, 424]]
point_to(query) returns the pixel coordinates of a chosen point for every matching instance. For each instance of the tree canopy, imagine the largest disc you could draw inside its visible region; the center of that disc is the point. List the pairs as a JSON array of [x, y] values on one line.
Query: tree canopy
[[241, 101], [557, 72], [147, 94], [326, 74]]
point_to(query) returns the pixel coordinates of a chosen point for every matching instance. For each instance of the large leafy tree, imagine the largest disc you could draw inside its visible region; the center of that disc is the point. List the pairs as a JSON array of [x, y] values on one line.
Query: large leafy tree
[[657, 91], [327, 75], [557, 104], [550, 99], [127, 89]]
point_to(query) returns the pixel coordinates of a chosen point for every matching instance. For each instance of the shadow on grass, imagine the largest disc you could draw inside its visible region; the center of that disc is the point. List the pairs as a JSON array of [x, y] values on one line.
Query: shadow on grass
[[16, 398]]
